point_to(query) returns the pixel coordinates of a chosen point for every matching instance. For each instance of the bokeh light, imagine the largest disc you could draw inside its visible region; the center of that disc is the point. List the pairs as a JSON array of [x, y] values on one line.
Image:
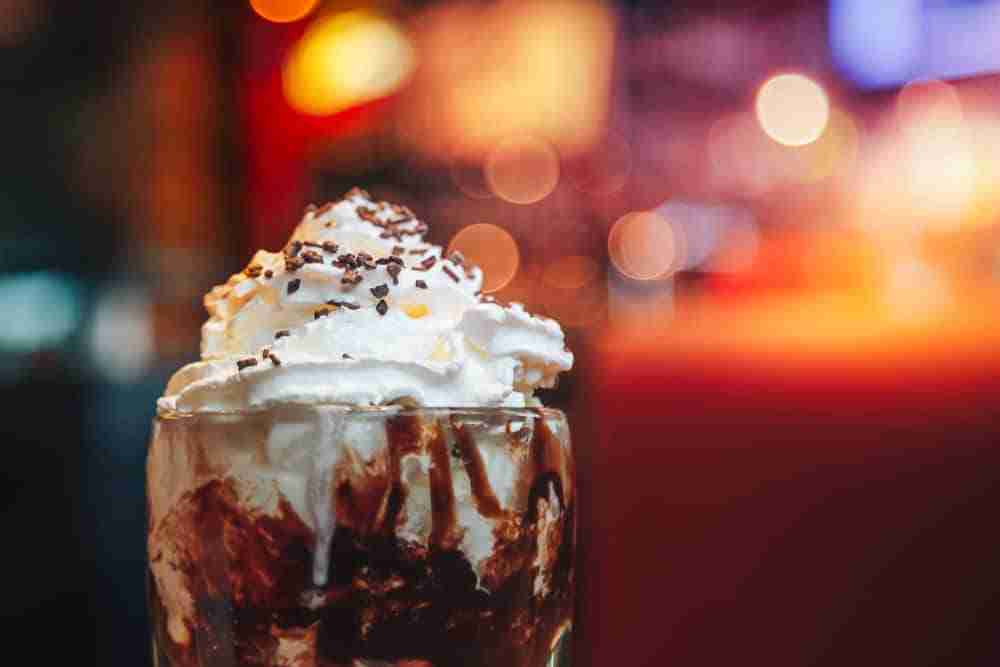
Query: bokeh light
[[939, 157], [283, 11], [571, 272], [538, 67], [603, 170], [347, 59], [493, 249], [644, 246], [793, 109], [835, 152], [522, 170]]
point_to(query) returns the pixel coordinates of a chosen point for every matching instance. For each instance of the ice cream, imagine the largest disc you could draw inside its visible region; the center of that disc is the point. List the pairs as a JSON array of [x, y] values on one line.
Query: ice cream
[[303, 511], [359, 310]]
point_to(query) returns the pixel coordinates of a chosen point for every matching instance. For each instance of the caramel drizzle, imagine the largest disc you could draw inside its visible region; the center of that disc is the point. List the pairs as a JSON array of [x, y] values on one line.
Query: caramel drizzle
[[482, 493]]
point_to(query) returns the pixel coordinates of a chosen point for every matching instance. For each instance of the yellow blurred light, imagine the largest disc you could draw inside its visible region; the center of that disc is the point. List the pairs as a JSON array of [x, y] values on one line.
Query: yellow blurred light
[[522, 170], [643, 246], [571, 272], [939, 160], [344, 60], [792, 109], [283, 11], [491, 248], [539, 67], [834, 152]]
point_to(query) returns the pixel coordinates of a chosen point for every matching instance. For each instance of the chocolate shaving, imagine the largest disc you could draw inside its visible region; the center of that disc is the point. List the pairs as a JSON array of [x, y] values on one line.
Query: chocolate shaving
[[382, 307], [427, 264], [312, 257], [322, 312], [245, 363], [398, 250], [274, 359], [253, 270], [330, 246], [346, 356], [451, 274], [368, 214], [421, 284], [293, 264], [350, 305], [350, 278], [269, 274], [380, 291], [282, 333], [264, 353], [365, 260], [312, 244], [393, 271], [293, 248], [418, 251], [293, 286]]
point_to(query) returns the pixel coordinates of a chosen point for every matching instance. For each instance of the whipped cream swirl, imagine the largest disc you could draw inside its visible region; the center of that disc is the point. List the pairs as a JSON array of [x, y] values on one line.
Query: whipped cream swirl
[[359, 310]]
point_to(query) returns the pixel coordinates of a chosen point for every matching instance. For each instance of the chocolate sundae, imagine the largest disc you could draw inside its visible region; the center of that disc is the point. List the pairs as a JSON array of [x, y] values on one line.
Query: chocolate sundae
[[357, 472]]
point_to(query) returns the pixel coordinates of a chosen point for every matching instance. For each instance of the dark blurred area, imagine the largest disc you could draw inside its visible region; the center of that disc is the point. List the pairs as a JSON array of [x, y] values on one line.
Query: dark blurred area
[[769, 229]]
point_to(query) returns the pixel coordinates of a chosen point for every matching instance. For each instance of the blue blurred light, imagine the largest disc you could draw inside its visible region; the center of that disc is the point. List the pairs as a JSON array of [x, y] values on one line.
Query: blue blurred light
[[41, 309], [885, 43]]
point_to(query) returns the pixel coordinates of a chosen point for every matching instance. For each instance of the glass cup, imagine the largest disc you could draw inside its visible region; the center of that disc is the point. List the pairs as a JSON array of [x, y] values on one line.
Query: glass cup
[[362, 537]]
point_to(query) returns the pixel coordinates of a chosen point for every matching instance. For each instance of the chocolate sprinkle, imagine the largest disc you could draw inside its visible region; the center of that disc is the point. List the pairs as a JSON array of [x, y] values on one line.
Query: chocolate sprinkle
[[418, 251], [282, 333], [330, 246], [274, 359], [350, 278], [269, 273], [382, 307], [312, 244], [457, 258], [253, 270], [293, 248], [393, 271], [451, 274], [293, 264], [347, 356], [293, 286], [322, 312], [421, 284], [350, 305], [380, 291], [312, 257], [427, 264], [398, 250], [245, 363], [365, 260]]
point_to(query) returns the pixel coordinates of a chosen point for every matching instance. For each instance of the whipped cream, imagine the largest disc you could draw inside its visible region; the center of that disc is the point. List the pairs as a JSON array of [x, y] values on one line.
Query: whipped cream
[[359, 310]]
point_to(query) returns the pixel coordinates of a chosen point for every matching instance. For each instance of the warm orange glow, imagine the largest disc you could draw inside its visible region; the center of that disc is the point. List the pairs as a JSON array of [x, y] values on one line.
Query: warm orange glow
[[344, 60], [491, 248], [571, 272], [834, 152], [939, 160], [643, 246], [576, 307], [538, 67], [793, 109], [523, 170], [283, 11]]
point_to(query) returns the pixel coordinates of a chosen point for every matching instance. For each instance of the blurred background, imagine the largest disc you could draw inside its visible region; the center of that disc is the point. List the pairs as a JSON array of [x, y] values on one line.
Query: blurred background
[[770, 229]]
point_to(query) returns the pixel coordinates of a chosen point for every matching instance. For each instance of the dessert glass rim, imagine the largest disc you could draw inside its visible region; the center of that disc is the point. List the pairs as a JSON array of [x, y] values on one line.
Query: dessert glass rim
[[365, 411]]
